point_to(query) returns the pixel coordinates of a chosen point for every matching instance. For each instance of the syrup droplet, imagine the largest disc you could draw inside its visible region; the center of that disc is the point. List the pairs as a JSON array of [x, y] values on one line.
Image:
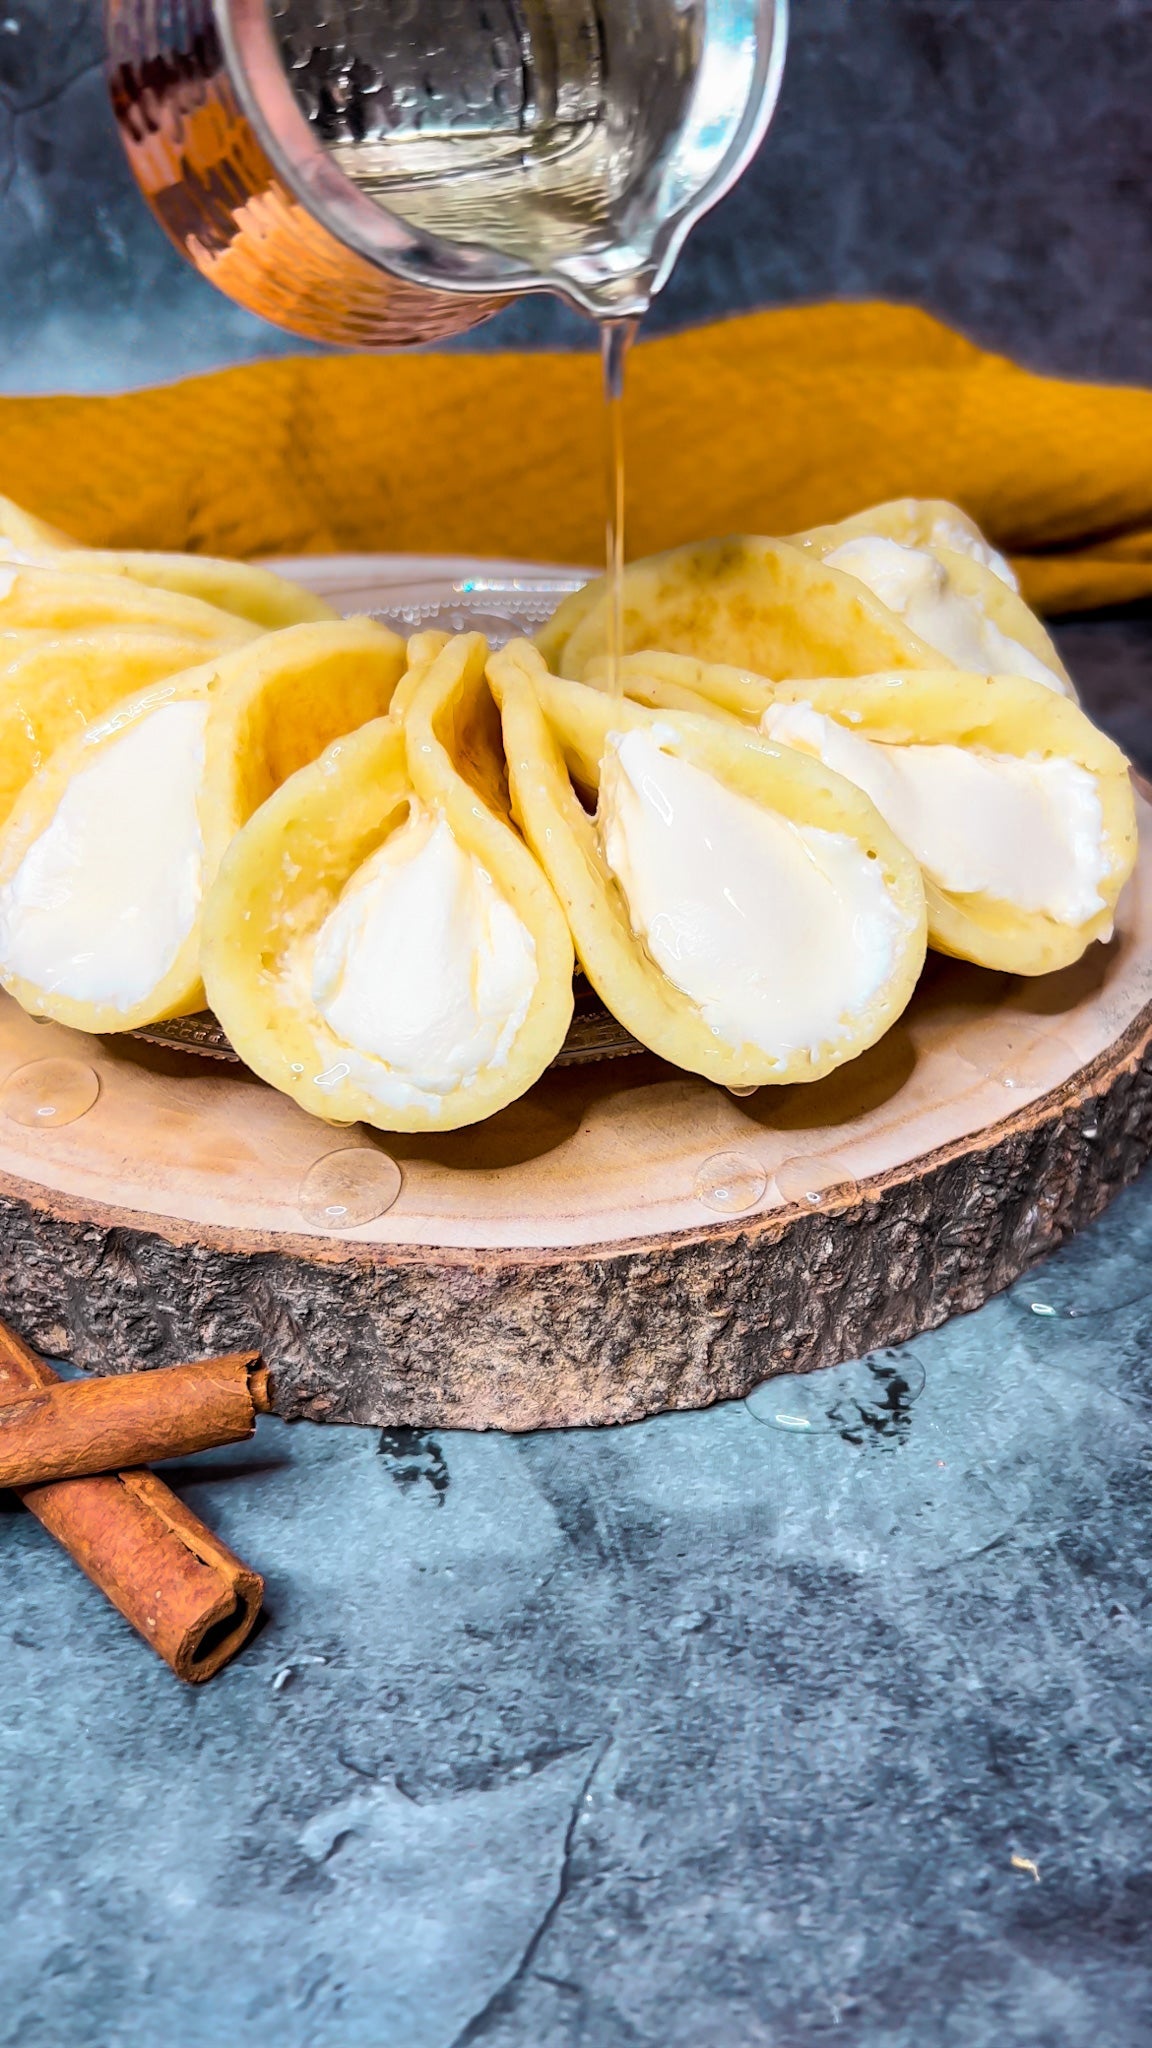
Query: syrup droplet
[[1039, 1068], [812, 1181], [1089, 1279], [348, 1188], [864, 1398], [332, 1076], [48, 1093], [1077, 1298], [1023, 1063], [731, 1182], [753, 1089]]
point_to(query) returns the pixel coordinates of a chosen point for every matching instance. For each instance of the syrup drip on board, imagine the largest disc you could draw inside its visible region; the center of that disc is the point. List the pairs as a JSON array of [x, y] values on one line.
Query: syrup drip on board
[[616, 338]]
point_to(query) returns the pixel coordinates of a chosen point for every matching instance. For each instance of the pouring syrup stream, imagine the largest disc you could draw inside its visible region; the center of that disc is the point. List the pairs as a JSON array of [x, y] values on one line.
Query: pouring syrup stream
[[616, 338]]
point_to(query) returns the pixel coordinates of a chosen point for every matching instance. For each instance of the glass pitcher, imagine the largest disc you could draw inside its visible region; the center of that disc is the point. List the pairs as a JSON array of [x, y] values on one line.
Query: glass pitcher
[[376, 173]]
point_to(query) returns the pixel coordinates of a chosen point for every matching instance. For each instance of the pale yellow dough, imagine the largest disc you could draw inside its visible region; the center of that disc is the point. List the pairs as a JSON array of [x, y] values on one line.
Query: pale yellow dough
[[291, 868], [973, 571], [266, 709], [999, 716], [748, 602], [241, 588], [556, 736], [51, 598], [56, 685]]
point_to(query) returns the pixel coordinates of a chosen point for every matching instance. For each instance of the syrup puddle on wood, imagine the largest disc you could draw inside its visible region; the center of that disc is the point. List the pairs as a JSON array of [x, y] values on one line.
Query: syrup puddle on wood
[[48, 1093]]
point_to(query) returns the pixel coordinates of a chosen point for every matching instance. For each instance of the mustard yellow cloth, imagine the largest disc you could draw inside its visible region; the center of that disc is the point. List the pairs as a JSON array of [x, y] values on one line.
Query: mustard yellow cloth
[[765, 423]]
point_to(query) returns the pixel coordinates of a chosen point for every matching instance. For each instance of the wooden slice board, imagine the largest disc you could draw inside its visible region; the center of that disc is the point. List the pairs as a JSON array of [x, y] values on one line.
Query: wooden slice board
[[626, 1238]]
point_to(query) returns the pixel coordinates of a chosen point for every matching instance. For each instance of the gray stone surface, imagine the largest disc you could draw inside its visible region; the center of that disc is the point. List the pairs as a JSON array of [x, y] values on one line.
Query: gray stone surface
[[701, 1734], [987, 158]]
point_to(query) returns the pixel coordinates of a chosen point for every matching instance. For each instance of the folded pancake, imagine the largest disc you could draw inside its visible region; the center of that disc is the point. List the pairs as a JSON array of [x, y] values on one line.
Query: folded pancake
[[763, 605], [423, 649], [61, 600], [918, 523], [242, 588], [57, 685], [1018, 810], [24, 530], [16, 640], [976, 824], [379, 942], [678, 682], [109, 850], [930, 564], [742, 911]]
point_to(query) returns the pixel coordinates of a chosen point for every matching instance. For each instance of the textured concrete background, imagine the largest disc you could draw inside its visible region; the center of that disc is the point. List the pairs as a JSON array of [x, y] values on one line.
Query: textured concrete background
[[702, 1734], [991, 159]]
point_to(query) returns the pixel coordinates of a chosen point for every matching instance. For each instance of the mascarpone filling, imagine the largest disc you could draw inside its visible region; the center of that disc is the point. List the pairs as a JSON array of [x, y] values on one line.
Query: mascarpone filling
[[917, 587], [423, 969], [1025, 832], [781, 934], [948, 533], [21, 559], [103, 900]]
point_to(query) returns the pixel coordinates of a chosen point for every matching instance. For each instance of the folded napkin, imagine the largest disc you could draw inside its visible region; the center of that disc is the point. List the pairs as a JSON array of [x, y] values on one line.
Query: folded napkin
[[765, 423]]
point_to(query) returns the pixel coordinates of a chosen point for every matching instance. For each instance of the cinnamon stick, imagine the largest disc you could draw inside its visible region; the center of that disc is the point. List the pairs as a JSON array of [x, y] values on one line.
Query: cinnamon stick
[[76, 1427], [184, 1591]]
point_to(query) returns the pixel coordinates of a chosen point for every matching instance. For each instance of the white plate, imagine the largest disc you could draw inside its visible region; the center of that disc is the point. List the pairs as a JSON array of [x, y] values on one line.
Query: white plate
[[456, 593]]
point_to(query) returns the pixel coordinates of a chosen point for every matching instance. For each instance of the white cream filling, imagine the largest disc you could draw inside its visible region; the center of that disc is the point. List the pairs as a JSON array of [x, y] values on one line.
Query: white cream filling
[[105, 897], [781, 934], [949, 533], [423, 969], [1025, 832], [9, 552], [914, 585]]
